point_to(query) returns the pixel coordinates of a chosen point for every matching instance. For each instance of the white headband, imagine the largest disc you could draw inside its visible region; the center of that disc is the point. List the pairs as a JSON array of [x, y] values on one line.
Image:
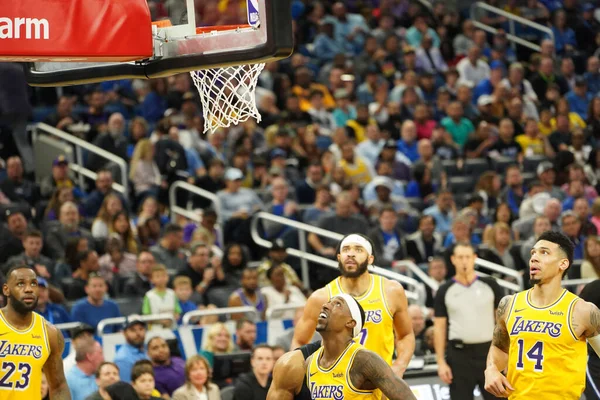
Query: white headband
[[354, 312], [359, 240]]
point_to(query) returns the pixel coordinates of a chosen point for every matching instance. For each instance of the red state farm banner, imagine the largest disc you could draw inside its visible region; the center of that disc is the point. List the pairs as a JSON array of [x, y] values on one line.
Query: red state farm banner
[[75, 30]]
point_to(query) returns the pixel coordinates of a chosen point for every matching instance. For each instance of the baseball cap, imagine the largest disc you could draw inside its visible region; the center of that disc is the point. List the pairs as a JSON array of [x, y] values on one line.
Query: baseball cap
[[390, 144], [544, 166], [587, 7], [60, 160], [83, 328], [485, 100], [42, 282], [497, 64], [133, 320], [278, 245], [233, 174], [383, 181], [275, 153], [341, 94], [580, 81]]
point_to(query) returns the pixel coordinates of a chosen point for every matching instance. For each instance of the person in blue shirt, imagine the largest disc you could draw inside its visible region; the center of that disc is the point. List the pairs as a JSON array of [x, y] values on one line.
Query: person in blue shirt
[[94, 308], [407, 144], [579, 98], [133, 350], [53, 313], [182, 285], [81, 378]]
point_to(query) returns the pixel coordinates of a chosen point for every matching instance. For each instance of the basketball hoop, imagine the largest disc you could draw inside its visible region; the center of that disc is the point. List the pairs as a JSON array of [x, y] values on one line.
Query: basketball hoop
[[228, 94]]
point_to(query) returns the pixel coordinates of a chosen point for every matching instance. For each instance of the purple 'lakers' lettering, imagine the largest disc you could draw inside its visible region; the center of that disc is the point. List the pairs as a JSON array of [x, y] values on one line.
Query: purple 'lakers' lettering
[[373, 316], [545, 328], [335, 392], [8, 349]]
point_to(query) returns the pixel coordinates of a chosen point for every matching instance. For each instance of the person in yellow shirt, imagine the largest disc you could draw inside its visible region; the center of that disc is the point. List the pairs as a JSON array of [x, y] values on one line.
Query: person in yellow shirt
[[563, 108], [304, 86], [355, 168], [545, 125], [533, 142]]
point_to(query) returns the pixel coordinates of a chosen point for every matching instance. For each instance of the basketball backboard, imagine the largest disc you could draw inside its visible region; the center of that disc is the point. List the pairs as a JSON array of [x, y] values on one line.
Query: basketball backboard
[[185, 35]]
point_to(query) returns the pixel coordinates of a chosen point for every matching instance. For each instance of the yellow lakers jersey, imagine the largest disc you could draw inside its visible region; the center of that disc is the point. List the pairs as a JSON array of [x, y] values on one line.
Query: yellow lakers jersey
[[377, 334], [546, 359], [334, 382], [23, 354]]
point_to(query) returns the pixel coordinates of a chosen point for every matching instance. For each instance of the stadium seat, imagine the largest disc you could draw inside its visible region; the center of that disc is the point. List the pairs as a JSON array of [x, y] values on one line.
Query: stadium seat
[[227, 393], [417, 203], [461, 184], [450, 168], [529, 177], [130, 305], [501, 163], [531, 163], [474, 167]]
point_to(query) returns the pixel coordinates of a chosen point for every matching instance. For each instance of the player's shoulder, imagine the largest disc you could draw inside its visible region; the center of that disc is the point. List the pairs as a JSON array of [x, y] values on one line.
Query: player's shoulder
[[321, 294]]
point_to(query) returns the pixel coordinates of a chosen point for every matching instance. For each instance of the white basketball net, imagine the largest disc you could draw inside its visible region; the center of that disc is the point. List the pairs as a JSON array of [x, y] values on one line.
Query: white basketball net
[[228, 95]]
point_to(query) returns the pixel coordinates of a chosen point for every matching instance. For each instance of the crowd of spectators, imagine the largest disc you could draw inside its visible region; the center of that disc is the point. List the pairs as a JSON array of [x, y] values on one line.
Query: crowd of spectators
[[393, 120]]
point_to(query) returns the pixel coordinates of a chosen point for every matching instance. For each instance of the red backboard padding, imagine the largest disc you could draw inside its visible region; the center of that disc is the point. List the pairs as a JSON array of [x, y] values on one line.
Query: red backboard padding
[[75, 30]]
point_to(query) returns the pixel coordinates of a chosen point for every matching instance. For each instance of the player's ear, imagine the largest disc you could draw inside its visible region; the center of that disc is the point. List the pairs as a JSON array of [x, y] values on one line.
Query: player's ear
[[351, 324], [371, 259], [339, 256], [5, 290], [564, 264]]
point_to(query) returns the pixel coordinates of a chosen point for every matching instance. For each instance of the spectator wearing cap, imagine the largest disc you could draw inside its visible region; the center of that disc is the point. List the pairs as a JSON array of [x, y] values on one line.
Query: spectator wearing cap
[[383, 187], [459, 127], [12, 236], [487, 86], [126, 356], [276, 257], [571, 226], [415, 34], [81, 333], [384, 170], [59, 178], [472, 68], [169, 250], [16, 187], [345, 111], [95, 307], [547, 176], [285, 167], [54, 313], [579, 98], [32, 256], [387, 238], [237, 202]]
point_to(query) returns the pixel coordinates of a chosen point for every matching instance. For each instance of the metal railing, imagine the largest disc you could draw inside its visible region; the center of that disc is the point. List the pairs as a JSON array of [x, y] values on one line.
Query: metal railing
[[80, 144], [577, 282], [274, 310], [177, 210], [305, 256], [511, 23], [144, 318], [504, 271], [67, 326], [196, 314]]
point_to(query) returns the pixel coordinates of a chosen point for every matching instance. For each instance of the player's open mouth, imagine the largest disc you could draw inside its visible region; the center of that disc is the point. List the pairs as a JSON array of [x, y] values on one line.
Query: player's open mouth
[[28, 299], [534, 269], [323, 315]]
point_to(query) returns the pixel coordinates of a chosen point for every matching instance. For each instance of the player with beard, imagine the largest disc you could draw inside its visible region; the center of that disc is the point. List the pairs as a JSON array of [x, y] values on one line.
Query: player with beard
[[341, 368], [541, 333], [383, 300], [28, 343]]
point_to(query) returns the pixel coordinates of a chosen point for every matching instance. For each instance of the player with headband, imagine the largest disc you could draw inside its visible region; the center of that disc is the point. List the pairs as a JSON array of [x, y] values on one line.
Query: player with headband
[[341, 368], [383, 300]]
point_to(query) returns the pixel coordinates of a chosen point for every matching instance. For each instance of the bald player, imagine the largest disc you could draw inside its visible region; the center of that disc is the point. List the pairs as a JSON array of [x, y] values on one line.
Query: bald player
[[387, 323], [341, 368]]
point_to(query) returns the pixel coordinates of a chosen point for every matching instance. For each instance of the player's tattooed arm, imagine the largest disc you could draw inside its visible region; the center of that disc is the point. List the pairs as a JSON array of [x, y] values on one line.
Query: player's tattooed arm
[[53, 368], [369, 371], [594, 321], [501, 338]]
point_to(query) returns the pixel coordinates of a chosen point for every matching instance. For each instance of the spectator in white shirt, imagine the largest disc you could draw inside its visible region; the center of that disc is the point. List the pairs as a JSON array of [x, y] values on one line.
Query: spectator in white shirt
[[472, 68], [279, 292], [369, 149]]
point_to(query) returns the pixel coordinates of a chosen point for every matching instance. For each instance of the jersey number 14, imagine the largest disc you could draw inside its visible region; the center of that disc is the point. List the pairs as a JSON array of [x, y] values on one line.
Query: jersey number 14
[[535, 354]]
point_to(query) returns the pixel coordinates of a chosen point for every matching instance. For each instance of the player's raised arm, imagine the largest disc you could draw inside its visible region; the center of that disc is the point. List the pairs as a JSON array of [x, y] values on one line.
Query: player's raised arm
[[405, 337], [497, 360], [53, 368], [370, 367], [307, 325], [288, 375]]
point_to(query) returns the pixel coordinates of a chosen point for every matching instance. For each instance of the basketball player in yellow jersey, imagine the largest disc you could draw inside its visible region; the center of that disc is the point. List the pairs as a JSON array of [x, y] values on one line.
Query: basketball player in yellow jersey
[[540, 335], [383, 300], [28, 343], [341, 368]]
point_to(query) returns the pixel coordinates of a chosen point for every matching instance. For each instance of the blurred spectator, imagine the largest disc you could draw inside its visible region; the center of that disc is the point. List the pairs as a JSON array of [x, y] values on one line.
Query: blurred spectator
[[462, 231], [254, 385], [581, 207], [249, 295], [421, 186], [279, 291], [59, 197], [117, 262], [345, 111], [280, 205], [422, 245], [58, 179], [142, 380], [320, 206], [53, 313], [355, 167], [139, 284], [169, 372], [144, 172], [245, 335], [350, 29], [33, 242], [387, 238], [436, 270], [579, 98], [457, 125], [93, 201], [370, 148], [169, 250], [64, 116], [592, 75], [182, 285], [506, 146], [57, 237], [576, 173], [325, 45], [480, 143], [546, 77], [197, 381], [95, 307], [564, 37], [399, 163], [218, 341], [212, 181], [514, 191], [590, 268], [81, 378], [547, 176], [169, 155], [472, 68], [87, 267], [418, 31], [133, 350], [499, 248], [161, 299], [571, 226], [106, 374], [276, 257], [443, 212], [407, 144], [110, 207], [16, 187], [428, 56], [113, 141], [463, 42], [237, 202], [596, 214], [417, 318], [121, 227], [533, 142]]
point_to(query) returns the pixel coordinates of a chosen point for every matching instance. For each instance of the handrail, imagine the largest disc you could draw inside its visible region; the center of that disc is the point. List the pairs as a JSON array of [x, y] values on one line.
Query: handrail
[[414, 268], [144, 318], [68, 326], [175, 209], [282, 307], [79, 144], [78, 169], [512, 18], [505, 284], [501, 269], [303, 254], [217, 311], [577, 282]]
